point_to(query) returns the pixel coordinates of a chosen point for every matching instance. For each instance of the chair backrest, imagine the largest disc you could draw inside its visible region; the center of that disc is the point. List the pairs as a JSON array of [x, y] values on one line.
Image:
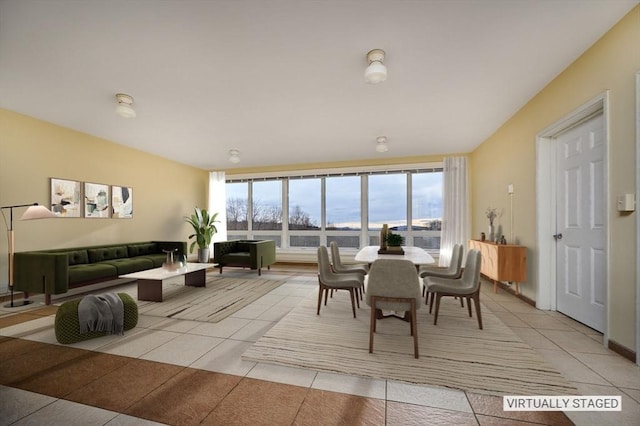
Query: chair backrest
[[393, 278], [335, 255], [471, 275], [324, 267], [455, 266]]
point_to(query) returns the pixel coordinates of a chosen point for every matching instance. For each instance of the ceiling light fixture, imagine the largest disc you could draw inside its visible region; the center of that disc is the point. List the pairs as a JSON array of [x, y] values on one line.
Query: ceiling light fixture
[[381, 145], [234, 156], [376, 72], [125, 106]]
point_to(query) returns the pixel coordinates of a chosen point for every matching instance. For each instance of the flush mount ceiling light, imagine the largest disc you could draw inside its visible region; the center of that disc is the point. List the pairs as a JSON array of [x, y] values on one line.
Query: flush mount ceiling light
[[376, 72], [124, 107], [234, 156], [381, 144]]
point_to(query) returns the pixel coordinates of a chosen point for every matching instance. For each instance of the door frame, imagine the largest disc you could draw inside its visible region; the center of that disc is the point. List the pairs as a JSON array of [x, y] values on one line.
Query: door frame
[[546, 182], [637, 217]]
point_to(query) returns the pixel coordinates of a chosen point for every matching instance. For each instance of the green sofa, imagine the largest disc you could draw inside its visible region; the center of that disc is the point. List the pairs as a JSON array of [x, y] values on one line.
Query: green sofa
[[56, 271], [254, 254]]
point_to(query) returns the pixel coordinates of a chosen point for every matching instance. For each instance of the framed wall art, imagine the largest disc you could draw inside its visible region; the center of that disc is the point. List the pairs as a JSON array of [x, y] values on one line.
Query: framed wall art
[[97, 202], [121, 202], [65, 198]]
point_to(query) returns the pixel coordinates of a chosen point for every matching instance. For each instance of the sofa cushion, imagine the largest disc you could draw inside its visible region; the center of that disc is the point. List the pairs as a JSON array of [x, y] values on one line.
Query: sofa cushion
[[78, 257], [142, 249], [156, 259], [91, 271], [130, 265], [107, 253], [237, 258]]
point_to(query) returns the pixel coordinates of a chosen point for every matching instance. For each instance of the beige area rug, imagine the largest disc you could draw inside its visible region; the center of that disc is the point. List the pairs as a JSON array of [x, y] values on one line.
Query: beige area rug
[[219, 299], [453, 354]]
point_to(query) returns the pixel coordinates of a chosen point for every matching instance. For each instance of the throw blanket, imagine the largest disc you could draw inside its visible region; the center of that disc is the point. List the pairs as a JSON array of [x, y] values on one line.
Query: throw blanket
[[104, 312]]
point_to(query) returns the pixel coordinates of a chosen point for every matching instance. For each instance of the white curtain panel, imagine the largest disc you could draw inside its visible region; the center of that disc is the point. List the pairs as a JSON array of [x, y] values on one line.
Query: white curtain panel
[[218, 203], [456, 222]]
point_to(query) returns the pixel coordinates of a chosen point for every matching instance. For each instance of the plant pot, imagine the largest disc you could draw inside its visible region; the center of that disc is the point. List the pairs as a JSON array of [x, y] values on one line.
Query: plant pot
[[394, 248], [203, 255]]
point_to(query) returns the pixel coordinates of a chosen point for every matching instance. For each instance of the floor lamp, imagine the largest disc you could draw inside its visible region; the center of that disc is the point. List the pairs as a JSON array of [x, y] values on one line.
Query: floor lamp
[[34, 211]]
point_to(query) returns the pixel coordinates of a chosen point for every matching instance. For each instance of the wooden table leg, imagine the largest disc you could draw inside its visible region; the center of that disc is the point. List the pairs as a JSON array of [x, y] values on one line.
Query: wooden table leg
[[150, 290], [196, 278]]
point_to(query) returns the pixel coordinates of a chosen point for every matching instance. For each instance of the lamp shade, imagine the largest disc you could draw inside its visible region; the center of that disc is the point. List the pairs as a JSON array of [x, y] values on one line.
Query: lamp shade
[[375, 73], [37, 212]]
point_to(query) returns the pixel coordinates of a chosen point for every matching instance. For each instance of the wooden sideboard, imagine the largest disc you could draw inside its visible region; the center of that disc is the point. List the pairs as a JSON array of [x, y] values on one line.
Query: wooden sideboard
[[502, 262]]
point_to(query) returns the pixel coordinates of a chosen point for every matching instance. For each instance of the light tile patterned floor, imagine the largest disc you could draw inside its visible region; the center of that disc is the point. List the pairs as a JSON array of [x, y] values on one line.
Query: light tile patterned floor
[[205, 359]]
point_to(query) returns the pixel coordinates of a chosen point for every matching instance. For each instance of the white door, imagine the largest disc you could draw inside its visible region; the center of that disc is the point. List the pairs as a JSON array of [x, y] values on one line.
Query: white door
[[581, 286]]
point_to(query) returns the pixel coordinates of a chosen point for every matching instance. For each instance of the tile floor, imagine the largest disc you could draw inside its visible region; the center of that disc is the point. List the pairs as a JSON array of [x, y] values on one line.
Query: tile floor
[[168, 371]]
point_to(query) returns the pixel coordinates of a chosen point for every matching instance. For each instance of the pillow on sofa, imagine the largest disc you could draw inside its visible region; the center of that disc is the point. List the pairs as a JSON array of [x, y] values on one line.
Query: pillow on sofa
[[107, 253], [77, 257], [142, 249]]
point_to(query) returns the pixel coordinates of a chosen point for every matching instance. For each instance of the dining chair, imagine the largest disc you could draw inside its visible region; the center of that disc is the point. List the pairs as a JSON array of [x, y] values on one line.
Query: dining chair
[[394, 285], [454, 270], [467, 286], [341, 268], [329, 280]]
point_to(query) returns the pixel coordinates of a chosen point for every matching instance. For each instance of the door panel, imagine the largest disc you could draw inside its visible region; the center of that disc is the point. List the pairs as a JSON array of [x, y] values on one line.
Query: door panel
[[581, 219]]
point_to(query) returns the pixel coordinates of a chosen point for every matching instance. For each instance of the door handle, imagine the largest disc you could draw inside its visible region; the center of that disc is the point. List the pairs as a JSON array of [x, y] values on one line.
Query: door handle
[[557, 237]]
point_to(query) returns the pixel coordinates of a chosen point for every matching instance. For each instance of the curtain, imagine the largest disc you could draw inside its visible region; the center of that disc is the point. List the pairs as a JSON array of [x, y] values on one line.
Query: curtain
[[456, 225], [218, 203]]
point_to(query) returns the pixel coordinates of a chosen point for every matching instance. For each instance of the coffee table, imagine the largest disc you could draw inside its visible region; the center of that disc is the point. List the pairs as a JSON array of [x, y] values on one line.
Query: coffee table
[[150, 281]]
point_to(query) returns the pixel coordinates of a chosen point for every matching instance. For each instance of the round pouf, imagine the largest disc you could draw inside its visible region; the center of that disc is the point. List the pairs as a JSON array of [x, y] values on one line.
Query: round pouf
[[67, 325]]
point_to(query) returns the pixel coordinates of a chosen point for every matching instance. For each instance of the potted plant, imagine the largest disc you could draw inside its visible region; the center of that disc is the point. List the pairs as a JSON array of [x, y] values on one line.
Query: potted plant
[[204, 229], [394, 241]]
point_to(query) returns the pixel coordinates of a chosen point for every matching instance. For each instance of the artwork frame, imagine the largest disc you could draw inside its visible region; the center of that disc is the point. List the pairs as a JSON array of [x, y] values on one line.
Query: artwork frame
[[121, 202], [97, 200], [66, 196]]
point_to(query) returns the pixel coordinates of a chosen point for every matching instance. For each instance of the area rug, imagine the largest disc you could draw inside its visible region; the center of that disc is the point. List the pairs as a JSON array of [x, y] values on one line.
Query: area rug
[[454, 354], [220, 298]]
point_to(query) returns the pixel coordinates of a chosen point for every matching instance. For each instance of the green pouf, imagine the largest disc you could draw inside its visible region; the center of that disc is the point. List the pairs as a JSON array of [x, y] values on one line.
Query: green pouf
[[67, 325]]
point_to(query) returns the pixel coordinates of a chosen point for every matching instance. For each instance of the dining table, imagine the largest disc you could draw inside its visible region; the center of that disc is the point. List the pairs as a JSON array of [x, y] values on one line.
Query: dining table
[[417, 255]]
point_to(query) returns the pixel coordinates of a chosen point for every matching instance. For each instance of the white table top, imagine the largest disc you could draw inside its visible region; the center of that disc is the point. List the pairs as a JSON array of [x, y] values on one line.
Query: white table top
[[163, 274], [417, 255]]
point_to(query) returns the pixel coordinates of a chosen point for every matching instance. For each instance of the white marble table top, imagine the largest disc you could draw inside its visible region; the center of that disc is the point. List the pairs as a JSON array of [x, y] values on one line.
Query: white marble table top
[[163, 274], [416, 255]]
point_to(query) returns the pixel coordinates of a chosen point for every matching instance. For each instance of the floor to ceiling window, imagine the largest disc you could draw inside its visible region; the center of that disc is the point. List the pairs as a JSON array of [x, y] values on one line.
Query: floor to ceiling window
[[304, 212]]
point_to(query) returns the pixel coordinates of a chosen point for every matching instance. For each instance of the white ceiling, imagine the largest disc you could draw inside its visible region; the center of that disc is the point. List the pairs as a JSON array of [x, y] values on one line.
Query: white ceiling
[[282, 81]]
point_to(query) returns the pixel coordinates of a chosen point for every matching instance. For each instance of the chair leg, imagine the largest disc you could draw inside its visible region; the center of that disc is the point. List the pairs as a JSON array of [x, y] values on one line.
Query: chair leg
[[372, 324], [426, 296], [326, 292], [476, 301], [414, 328], [462, 302], [431, 302], [319, 298], [355, 292], [435, 317], [353, 305], [468, 304]]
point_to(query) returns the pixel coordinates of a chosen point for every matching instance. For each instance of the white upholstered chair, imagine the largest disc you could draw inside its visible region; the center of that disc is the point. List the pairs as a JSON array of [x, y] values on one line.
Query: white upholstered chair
[[453, 271], [394, 285], [467, 286], [329, 280]]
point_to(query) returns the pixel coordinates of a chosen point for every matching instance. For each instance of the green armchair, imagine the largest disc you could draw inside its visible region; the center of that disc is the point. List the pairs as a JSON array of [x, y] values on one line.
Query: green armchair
[[254, 254]]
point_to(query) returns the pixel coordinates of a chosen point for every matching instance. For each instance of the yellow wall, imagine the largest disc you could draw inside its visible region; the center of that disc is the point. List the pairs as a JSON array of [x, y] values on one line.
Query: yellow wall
[[33, 151], [509, 156]]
